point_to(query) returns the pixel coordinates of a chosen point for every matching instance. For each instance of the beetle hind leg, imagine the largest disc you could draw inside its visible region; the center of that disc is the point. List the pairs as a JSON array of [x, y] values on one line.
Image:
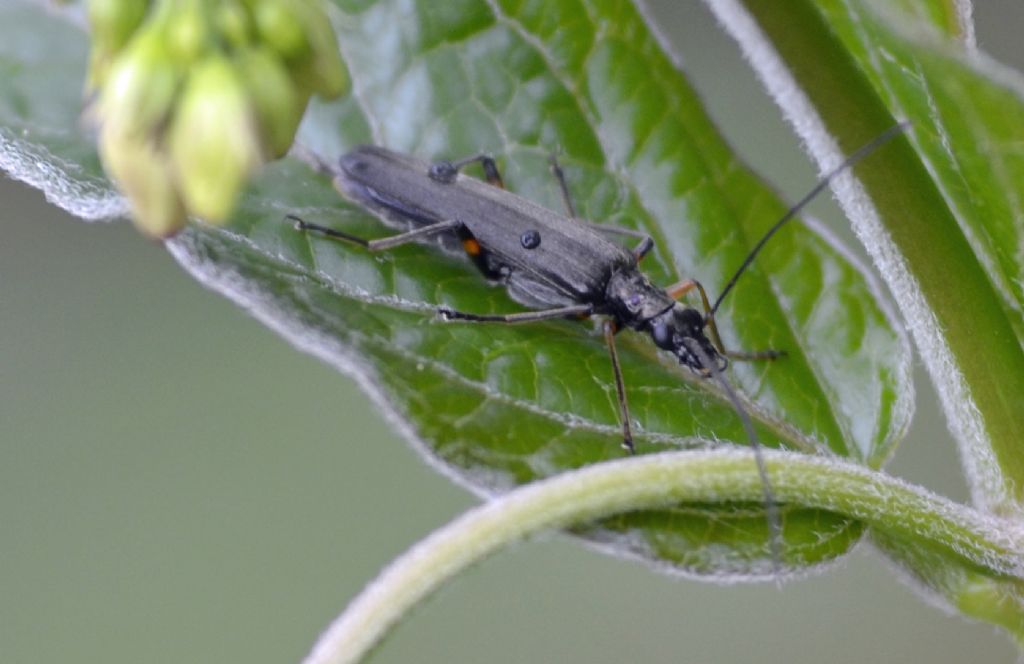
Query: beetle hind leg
[[381, 244]]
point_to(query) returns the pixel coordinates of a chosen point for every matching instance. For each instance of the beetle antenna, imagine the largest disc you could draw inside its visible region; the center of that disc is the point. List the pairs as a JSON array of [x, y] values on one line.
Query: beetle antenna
[[771, 508], [850, 161]]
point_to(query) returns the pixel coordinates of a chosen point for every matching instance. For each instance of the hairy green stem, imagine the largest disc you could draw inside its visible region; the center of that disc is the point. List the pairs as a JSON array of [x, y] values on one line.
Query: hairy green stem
[[902, 511], [939, 281]]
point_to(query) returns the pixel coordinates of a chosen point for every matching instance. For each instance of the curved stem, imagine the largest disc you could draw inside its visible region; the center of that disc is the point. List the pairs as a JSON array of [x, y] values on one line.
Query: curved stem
[[900, 510], [825, 72]]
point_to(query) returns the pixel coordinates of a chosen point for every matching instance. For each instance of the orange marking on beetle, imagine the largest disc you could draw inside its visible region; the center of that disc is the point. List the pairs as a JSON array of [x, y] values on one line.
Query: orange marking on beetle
[[471, 246]]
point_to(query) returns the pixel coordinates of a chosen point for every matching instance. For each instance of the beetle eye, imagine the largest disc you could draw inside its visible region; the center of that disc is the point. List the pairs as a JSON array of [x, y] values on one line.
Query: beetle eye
[[662, 335], [691, 318]]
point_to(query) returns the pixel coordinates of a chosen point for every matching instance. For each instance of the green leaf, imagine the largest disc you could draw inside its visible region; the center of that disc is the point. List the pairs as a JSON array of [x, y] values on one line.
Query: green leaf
[[500, 405], [949, 228], [42, 138], [959, 542], [950, 203]]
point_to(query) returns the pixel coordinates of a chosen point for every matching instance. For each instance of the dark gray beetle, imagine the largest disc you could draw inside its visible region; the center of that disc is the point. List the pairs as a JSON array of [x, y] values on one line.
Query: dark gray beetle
[[556, 264]]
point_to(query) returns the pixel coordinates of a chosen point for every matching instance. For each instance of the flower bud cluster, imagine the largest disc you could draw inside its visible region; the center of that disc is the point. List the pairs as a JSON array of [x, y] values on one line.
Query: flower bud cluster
[[191, 96]]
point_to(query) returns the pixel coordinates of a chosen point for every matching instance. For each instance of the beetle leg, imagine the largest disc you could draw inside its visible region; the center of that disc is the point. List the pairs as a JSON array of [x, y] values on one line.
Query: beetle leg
[[469, 244], [641, 250], [381, 244], [620, 386], [676, 291], [445, 171], [556, 170], [618, 230], [754, 355], [575, 310]]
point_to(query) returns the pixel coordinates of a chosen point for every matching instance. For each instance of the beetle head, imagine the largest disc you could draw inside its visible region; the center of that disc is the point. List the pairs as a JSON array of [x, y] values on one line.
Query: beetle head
[[680, 330]]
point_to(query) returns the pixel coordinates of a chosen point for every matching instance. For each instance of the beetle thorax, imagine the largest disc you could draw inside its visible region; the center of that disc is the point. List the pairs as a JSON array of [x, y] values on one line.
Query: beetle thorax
[[633, 299]]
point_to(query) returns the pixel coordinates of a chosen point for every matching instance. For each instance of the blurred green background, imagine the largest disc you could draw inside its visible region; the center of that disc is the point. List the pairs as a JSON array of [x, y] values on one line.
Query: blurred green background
[[179, 485]]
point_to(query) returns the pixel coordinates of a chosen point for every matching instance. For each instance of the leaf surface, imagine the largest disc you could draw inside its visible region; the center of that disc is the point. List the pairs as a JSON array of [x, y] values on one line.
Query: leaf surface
[[500, 405], [950, 224]]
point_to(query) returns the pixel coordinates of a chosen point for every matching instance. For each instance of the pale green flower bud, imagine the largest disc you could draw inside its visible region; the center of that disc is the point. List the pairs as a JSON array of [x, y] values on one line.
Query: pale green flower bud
[[234, 23], [188, 31], [112, 22], [280, 29], [145, 176], [278, 104], [197, 93], [140, 88], [331, 75], [214, 140]]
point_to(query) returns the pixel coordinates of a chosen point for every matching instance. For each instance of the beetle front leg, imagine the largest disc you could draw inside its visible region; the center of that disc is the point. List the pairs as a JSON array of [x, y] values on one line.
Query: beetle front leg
[[610, 329], [680, 289]]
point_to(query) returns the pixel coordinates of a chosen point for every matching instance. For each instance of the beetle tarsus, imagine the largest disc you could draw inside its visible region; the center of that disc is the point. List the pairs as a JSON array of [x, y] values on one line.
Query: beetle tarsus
[[756, 355], [299, 224]]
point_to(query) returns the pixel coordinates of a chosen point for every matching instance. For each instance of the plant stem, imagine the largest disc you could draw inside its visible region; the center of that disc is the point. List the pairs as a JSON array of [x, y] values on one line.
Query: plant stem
[[902, 511]]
